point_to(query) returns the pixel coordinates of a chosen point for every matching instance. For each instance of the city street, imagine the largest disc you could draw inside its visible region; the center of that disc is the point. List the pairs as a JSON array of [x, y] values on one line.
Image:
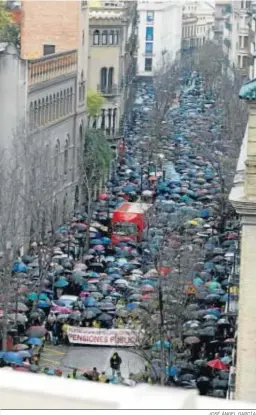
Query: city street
[[85, 358]]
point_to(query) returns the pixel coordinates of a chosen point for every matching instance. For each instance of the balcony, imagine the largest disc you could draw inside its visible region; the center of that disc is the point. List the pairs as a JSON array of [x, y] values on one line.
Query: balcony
[[108, 90], [228, 26], [227, 43], [29, 391], [51, 67]]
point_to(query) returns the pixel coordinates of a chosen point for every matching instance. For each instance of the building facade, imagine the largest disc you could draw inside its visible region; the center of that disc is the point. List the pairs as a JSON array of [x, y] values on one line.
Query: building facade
[[197, 23], [112, 60], [160, 25], [234, 30], [48, 96]]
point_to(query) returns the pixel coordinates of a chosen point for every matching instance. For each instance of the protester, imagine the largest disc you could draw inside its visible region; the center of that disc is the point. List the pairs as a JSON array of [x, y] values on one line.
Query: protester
[[115, 364]]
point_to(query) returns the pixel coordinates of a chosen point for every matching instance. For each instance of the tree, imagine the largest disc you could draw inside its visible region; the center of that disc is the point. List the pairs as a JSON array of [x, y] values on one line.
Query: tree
[[11, 230], [94, 166], [95, 100], [5, 16], [173, 256], [11, 34]]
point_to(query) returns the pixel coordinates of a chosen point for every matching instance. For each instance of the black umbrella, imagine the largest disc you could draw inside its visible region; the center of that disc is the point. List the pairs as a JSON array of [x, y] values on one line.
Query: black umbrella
[[105, 317]]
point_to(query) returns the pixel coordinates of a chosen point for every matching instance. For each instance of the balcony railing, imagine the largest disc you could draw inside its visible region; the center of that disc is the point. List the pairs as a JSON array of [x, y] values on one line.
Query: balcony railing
[[51, 66], [29, 391], [108, 4], [108, 89]]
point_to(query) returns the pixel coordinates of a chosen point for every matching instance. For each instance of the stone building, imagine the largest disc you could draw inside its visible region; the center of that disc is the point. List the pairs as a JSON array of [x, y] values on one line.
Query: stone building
[[112, 60], [243, 198], [48, 95]]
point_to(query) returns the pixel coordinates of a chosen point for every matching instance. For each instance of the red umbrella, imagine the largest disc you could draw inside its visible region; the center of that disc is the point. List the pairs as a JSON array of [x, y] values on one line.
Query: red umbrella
[[217, 364], [146, 297]]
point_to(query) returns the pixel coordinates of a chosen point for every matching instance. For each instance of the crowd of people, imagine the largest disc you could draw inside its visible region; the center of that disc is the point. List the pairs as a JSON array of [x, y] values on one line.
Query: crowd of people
[[110, 284]]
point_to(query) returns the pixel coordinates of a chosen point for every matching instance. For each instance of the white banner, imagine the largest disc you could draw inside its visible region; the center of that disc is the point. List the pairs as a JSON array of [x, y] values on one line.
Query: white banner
[[102, 337]]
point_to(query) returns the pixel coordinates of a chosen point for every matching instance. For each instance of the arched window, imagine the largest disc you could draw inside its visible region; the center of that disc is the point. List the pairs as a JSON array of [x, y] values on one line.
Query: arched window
[[102, 119], [116, 37], [65, 102], [43, 112], [57, 105], [47, 110], [35, 113], [56, 160], [111, 37], [103, 79], [39, 113], [71, 100], [96, 37], [54, 107], [61, 104], [104, 37], [114, 120], [82, 88], [109, 120], [65, 166], [110, 77], [31, 115]]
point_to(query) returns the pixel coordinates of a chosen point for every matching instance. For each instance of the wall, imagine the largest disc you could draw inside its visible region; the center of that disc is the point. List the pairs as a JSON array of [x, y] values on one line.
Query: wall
[[12, 94], [29, 391], [54, 23]]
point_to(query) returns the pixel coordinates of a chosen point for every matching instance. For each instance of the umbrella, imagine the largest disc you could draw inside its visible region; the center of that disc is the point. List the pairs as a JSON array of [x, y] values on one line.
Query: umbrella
[[19, 267], [192, 340], [105, 317], [89, 314], [19, 347], [157, 345], [35, 341], [217, 364], [13, 358], [61, 283], [36, 331]]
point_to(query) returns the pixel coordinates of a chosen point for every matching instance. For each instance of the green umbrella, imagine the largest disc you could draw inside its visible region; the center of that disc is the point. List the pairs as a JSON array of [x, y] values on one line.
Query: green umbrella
[[32, 296]]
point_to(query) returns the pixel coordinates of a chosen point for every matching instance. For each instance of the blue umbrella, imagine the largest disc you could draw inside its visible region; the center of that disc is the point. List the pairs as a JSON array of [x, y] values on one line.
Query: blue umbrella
[[92, 274], [13, 358], [105, 241], [90, 302], [34, 341], [61, 284], [19, 267], [172, 371], [131, 306], [95, 242], [129, 189], [157, 345], [2, 354], [43, 304]]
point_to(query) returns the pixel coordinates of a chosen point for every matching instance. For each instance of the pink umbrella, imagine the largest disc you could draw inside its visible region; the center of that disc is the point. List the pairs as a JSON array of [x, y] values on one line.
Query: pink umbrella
[[84, 294], [60, 309], [103, 196], [99, 248]]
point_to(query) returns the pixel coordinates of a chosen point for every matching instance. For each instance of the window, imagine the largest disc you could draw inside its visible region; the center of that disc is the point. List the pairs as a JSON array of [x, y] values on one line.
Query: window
[[116, 37], [65, 102], [39, 113], [245, 62], [149, 48], [242, 4], [46, 110], [110, 77], [61, 104], [103, 78], [65, 170], [148, 64], [102, 126], [56, 160], [104, 37], [125, 228], [83, 37], [81, 93], [114, 120], [31, 114], [246, 42], [111, 37], [150, 33], [150, 17], [240, 42], [71, 100], [96, 37], [49, 49], [50, 109], [109, 120], [57, 105]]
